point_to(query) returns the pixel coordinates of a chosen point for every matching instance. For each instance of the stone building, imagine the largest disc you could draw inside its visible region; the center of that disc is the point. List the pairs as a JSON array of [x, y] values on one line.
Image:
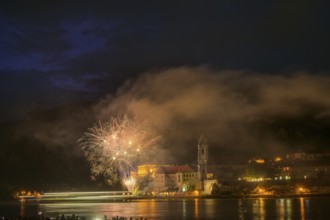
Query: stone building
[[175, 178], [180, 178]]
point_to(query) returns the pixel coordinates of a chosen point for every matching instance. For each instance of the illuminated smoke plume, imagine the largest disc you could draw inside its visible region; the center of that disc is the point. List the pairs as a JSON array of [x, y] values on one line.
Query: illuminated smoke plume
[[239, 111]]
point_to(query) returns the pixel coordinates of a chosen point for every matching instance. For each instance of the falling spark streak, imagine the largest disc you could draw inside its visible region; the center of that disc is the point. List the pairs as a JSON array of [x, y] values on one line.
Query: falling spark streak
[[114, 148]]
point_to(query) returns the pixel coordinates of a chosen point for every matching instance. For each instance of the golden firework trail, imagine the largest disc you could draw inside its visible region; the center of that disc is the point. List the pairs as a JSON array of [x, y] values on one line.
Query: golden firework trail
[[114, 148]]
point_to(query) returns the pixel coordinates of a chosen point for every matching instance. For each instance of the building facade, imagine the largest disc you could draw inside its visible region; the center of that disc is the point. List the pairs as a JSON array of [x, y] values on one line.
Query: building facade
[[175, 178]]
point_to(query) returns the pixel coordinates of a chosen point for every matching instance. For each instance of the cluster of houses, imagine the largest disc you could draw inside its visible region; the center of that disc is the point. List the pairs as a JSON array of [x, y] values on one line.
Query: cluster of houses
[[292, 172], [179, 179], [175, 179]]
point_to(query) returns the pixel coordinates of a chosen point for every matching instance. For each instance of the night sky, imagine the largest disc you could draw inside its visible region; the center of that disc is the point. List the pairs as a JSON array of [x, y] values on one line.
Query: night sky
[[253, 76]]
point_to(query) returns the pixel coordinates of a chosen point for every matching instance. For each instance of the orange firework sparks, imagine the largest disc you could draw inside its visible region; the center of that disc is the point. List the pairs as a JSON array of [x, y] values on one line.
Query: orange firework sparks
[[113, 148]]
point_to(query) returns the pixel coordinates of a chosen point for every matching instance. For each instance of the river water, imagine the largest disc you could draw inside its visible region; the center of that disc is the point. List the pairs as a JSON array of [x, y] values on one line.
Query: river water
[[253, 208]]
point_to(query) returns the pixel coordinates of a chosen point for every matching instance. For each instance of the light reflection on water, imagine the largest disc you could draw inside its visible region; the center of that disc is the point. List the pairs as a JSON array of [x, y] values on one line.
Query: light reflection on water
[[184, 208], [93, 210], [284, 208], [280, 208], [240, 210], [259, 209], [196, 208], [302, 208], [209, 206], [256, 208], [22, 209]]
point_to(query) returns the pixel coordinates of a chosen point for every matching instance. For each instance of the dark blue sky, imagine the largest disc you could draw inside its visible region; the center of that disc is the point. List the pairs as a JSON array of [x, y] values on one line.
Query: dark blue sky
[[59, 52]]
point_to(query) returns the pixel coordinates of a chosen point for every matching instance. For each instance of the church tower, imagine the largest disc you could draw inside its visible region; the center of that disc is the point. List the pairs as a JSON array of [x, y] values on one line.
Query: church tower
[[202, 160]]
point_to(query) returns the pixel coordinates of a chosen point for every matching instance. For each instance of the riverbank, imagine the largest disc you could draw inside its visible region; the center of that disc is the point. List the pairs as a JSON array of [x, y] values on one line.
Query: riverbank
[[235, 196], [85, 197]]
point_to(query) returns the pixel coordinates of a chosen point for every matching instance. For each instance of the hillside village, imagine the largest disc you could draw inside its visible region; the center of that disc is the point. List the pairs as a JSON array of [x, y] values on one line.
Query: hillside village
[[291, 174]]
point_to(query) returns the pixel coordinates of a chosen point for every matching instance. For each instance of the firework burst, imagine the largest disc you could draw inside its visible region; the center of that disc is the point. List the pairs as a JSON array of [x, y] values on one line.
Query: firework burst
[[115, 147]]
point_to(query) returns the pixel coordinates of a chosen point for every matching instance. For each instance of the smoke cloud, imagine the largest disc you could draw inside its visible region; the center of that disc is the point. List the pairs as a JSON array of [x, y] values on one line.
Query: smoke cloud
[[237, 111], [240, 113]]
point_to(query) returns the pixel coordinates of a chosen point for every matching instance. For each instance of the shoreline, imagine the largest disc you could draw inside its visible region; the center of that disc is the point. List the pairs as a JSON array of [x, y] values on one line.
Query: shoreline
[[178, 197], [237, 196], [136, 198]]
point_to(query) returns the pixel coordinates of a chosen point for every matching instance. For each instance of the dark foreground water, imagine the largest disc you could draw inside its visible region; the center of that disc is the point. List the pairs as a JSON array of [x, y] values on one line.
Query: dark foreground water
[[256, 208]]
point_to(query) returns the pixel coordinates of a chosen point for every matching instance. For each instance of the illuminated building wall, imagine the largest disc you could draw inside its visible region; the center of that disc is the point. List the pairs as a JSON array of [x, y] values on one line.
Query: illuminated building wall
[[176, 178], [144, 170]]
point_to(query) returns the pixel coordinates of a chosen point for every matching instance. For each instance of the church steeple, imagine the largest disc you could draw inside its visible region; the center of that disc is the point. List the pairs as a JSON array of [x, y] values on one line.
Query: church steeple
[[202, 160]]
